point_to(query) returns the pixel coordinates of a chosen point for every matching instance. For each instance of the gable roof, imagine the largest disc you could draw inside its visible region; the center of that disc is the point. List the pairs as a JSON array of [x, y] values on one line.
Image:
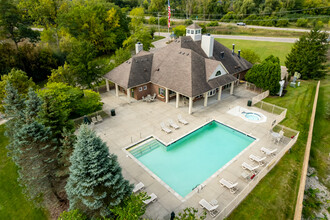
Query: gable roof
[[181, 66]]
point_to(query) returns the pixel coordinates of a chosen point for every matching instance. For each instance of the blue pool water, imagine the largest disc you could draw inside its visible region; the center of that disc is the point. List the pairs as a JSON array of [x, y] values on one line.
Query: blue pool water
[[191, 160]]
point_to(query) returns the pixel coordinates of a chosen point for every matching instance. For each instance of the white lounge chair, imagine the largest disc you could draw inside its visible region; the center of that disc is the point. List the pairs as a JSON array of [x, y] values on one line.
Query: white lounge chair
[[247, 166], [138, 187], [152, 198], [164, 128], [153, 97], [99, 118], [209, 207], [94, 120], [257, 159], [231, 186], [268, 151], [181, 120], [172, 124]]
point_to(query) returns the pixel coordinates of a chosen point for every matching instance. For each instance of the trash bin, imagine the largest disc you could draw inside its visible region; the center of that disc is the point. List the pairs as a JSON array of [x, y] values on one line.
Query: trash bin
[[249, 103], [113, 112]]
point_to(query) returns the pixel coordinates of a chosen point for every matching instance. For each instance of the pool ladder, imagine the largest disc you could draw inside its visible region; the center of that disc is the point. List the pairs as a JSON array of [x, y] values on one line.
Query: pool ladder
[[147, 147]]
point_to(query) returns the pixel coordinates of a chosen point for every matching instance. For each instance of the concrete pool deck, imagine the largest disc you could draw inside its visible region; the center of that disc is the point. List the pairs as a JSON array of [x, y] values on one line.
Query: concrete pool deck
[[136, 120]]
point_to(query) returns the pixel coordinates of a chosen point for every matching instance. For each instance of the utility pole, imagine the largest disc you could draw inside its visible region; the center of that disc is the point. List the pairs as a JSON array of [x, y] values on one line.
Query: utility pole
[[158, 24]]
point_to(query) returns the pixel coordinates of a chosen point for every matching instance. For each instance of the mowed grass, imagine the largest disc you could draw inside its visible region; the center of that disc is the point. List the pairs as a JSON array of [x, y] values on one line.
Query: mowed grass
[[275, 196], [13, 204], [320, 150], [262, 48]]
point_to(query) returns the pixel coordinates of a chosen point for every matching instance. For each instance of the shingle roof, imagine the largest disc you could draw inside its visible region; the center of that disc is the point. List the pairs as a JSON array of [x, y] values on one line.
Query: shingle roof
[[193, 26], [181, 66]]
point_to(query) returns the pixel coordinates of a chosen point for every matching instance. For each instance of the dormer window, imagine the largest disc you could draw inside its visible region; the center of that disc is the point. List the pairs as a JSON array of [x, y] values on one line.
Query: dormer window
[[192, 31], [188, 31], [218, 73]]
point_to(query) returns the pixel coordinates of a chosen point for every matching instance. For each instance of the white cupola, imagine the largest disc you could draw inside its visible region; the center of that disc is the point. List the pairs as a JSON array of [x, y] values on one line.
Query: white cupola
[[194, 31]]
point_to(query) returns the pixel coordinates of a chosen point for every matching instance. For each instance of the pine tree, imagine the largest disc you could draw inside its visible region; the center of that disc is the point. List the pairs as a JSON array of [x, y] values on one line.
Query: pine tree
[[34, 152], [308, 55], [13, 104], [96, 182], [67, 143]]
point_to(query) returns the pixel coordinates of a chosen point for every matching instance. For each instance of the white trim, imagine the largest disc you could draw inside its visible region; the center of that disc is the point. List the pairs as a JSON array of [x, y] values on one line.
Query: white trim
[[183, 199]]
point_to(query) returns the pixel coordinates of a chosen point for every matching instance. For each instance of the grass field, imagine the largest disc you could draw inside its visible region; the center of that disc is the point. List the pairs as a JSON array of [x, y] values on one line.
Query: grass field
[[13, 204], [262, 48], [275, 196]]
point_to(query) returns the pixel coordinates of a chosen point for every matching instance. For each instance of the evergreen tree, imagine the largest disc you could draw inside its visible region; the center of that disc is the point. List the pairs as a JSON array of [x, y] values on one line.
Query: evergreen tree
[[34, 152], [308, 55], [13, 104], [266, 75], [67, 143], [96, 182]]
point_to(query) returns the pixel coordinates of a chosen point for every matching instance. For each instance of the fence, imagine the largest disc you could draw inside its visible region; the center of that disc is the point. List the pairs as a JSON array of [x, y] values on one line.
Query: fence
[[252, 87], [274, 109], [79, 121], [260, 97], [250, 186]]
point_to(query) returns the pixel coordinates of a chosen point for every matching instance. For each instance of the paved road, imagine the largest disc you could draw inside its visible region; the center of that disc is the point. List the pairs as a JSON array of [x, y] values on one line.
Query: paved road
[[238, 37], [250, 26]]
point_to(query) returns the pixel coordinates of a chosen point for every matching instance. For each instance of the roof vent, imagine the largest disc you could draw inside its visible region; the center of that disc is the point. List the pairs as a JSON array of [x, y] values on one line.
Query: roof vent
[[179, 52], [183, 53], [233, 49], [239, 53], [187, 54], [145, 70], [136, 61], [222, 54], [157, 69]]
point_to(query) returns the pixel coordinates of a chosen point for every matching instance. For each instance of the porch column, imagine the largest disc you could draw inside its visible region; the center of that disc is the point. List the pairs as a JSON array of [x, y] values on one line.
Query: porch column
[[166, 95], [117, 90], [190, 105], [219, 93], [107, 84], [206, 96], [128, 95], [177, 100], [232, 88]]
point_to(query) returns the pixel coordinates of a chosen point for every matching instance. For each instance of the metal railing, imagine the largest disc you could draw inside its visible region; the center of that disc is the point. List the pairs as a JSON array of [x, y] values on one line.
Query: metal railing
[[252, 87], [250, 186]]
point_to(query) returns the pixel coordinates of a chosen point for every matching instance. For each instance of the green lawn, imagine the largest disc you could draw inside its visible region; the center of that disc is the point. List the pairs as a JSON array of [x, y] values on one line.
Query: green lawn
[[13, 204], [262, 48], [275, 196]]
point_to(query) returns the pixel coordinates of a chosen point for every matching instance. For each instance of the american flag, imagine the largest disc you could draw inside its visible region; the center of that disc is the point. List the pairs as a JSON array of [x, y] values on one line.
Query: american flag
[[169, 14]]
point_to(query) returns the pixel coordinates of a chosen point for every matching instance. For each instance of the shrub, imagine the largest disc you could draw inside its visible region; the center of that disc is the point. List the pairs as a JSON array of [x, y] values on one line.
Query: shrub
[[163, 21], [302, 22], [212, 24], [266, 75], [282, 23], [91, 102], [188, 22], [317, 24], [152, 20], [252, 20], [251, 56], [229, 17], [180, 30]]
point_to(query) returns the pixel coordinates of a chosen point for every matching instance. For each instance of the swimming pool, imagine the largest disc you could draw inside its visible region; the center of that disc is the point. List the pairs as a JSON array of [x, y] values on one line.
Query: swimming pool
[[191, 160]]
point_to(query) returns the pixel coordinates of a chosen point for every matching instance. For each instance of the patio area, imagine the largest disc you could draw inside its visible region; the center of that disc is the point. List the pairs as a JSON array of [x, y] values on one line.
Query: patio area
[[137, 120]]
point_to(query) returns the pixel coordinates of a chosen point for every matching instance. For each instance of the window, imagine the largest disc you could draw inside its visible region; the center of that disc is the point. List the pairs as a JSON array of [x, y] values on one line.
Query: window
[[198, 31], [192, 31], [212, 92], [140, 89], [145, 87], [161, 91], [218, 73], [188, 31]]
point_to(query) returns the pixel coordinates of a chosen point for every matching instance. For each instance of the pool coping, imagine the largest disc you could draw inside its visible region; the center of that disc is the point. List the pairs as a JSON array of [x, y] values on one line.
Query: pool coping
[[200, 186]]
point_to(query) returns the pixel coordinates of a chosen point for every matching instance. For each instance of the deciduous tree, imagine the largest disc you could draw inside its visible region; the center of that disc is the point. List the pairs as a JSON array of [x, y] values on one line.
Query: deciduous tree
[[95, 181]]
